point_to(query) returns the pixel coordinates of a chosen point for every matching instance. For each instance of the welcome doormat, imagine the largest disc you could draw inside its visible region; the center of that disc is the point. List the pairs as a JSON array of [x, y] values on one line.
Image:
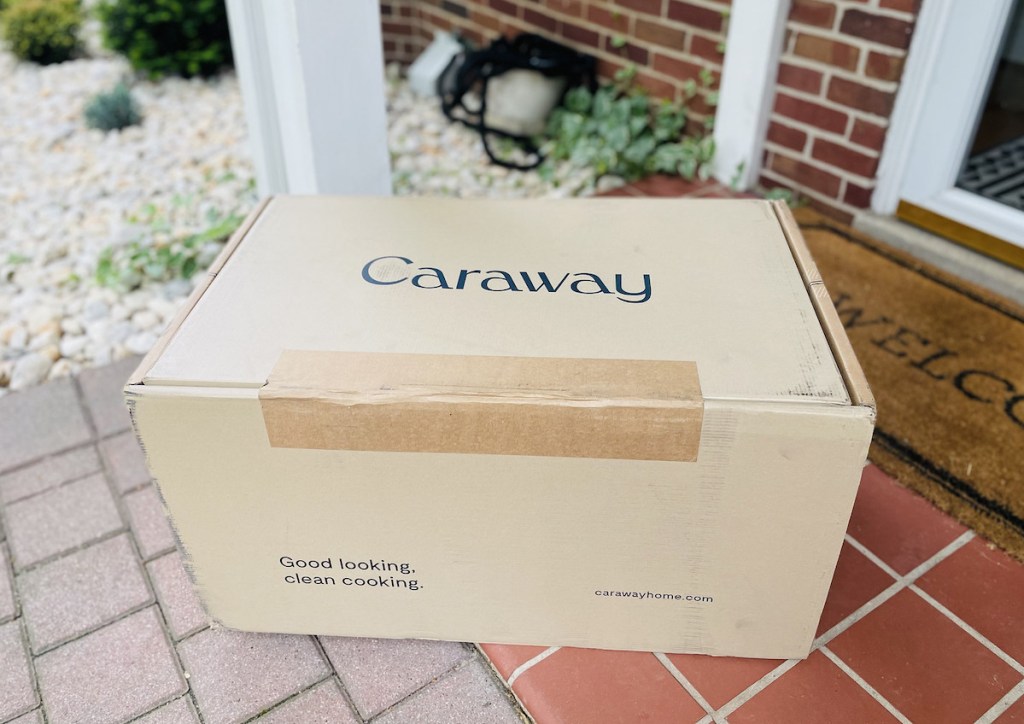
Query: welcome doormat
[[945, 360]]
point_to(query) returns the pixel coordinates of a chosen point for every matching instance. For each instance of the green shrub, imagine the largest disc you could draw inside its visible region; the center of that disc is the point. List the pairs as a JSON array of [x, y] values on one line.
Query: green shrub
[[113, 110], [617, 130], [42, 31], [168, 37]]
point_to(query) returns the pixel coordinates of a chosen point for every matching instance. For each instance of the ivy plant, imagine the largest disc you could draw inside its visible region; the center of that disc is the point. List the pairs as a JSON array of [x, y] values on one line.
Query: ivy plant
[[618, 130]]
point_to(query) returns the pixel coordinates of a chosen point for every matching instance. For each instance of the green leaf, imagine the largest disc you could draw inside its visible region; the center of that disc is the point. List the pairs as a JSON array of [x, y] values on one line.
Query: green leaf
[[578, 100], [617, 137], [639, 150]]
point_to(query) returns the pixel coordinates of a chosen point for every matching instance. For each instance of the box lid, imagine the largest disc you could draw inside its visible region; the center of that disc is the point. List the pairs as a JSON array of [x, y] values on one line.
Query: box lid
[[713, 282]]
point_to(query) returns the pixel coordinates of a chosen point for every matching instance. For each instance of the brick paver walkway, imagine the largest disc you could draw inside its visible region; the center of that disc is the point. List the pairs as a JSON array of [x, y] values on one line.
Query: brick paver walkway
[[99, 622]]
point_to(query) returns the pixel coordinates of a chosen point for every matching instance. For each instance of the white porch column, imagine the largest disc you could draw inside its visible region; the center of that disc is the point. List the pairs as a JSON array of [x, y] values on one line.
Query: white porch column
[[752, 49], [312, 79]]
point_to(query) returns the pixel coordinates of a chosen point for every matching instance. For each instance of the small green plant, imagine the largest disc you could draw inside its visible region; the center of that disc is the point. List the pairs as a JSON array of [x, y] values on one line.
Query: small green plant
[[42, 31], [618, 130], [790, 197], [113, 110], [168, 37], [161, 257]]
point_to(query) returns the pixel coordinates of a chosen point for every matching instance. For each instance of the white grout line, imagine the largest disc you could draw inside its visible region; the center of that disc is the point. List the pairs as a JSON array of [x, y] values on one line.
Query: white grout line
[[864, 685], [685, 683], [975, 634], [922, 568], [527, 665], [756, 688], [900, 583], [997, 710]]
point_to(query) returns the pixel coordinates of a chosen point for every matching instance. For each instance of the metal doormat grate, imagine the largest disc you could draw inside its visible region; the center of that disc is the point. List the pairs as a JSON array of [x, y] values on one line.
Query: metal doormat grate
[[997, 174]]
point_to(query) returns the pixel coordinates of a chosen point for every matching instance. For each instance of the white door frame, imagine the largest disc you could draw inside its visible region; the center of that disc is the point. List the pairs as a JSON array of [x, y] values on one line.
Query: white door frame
[[747, 91], [946, 80], [312, 78]]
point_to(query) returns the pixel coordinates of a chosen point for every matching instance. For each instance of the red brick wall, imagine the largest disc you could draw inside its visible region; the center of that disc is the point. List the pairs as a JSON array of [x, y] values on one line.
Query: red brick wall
[[669, 40], [838, 77]]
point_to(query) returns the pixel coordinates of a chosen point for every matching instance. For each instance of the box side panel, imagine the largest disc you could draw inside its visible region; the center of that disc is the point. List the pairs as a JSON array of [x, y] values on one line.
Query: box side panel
[[730, 555], [849, 365]]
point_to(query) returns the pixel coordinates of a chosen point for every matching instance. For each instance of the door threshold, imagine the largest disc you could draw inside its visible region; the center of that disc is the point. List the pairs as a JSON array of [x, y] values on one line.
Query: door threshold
[[951, 257]]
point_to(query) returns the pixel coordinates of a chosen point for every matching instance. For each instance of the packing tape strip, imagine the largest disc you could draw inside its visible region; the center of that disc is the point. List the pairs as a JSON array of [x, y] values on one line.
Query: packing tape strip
[[552, 407]]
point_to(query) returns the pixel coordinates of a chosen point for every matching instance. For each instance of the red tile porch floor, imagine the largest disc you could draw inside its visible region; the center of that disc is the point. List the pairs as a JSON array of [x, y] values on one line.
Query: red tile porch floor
[[924, 623], [99, 623]]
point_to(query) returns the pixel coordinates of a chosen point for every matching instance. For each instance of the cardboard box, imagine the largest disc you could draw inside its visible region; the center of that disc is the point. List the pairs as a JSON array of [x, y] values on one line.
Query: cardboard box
[[613, 423]]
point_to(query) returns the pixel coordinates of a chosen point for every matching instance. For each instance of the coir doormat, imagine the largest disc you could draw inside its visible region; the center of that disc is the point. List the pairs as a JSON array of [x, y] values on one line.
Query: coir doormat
[[945, 360]]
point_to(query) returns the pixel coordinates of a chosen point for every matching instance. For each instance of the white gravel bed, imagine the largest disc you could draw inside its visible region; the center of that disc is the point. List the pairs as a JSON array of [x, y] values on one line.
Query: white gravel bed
[[68, 192]]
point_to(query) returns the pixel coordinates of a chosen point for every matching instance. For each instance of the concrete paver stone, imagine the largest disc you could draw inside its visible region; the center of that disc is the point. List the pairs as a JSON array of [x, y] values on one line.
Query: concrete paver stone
[[236, 675], [179, 711], [380, 672], [323, 704], [82, 591], [17, 694], [469, 694], [125, 461], [101, 389], [61, 519], [149, 522], [33, 717], [8, 603], [119, 672], [178, 599], [40, 421], [49, 473]]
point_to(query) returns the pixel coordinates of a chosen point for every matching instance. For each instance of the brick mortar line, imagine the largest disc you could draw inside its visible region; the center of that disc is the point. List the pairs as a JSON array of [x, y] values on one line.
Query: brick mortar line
[[854, 40], [812, 131], [848, 670], [798, 26], [834, 71], [824, 133], [807, 191], [584, 22], [877, 10], [833, 105], [601, 52], [842, 173], [687, 685]]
